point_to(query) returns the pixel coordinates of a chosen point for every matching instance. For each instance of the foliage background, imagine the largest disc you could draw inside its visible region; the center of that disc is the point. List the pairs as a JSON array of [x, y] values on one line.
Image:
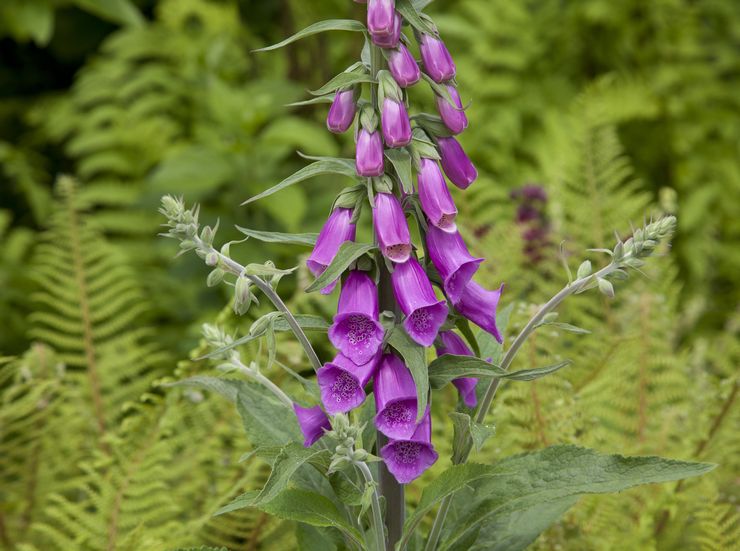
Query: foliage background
[[619, 110]]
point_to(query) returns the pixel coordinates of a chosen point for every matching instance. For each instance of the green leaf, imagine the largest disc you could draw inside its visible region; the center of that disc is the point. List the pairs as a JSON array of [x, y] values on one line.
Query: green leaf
[[228, 388], [308, 239], [267, 422], [534, 489], [327, 166], [312, 101], [414, 357], [466, 430], [409, 12], [342, 80], [448, 367], [320, 27], [566, 327], [347, 254], [289, 460], [117, 11], [305, 321], [447, 483], [300, 506], [401, 161]]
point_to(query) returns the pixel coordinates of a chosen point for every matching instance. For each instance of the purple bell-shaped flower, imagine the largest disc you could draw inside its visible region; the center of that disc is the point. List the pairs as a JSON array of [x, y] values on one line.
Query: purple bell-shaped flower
[[424, 312], [454, 263], [313, 422], [407, 459], [337, 229]]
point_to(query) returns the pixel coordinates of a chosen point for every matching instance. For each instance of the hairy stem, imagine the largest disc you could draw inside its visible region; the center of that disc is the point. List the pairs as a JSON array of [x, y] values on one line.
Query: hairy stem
[[261, 379], [375, 506], [485, 405], [238, 270]]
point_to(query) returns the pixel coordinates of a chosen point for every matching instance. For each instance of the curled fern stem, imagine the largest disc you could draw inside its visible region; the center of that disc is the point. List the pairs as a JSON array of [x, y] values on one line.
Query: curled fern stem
[[375, 506], [239, 270]]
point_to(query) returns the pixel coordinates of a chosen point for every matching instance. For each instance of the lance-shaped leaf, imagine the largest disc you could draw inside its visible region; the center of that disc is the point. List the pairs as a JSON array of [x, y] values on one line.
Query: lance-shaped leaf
[[401, 161], [347, 254], [305, 321], [308, 239], [301, 506], [447, 483], [291, 458], [313, 101], [342, 80], [465, 427], [320, 27], [415, 359], [326, 166], [448, 367], [408, 10], [511, 510]]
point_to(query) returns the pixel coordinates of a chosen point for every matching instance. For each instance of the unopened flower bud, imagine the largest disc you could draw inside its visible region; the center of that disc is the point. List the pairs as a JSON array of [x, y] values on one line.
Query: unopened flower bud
[[437, 60], [403, 66], [342, 111], [369, 154]]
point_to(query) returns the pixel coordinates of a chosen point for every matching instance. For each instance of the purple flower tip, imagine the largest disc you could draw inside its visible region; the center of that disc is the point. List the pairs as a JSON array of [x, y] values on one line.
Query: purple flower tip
[[454, 119], [454, 263], [380, 16], [479, 306], [391, 228], [452, 343], [337, 229], [342, 111], [455, 163], [437, 60], [395, 122], [313, 422], [407, 459], [389, 40], [369, 154], [436, 201], [356, 332], [403, 67], [424, 313], [395, 398], [342, 382]]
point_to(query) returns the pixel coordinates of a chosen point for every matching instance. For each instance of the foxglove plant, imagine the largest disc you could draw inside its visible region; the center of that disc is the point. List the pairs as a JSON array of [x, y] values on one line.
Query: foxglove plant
[[396, 300]]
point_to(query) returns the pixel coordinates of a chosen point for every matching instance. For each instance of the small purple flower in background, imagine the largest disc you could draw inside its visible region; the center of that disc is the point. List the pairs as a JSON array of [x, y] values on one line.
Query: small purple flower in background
[[337, 229], [424, 312], [452, 343], [342, 383], [381, 16], [395, 122], [435, 198], [369, 154], [454, 119], [313, 422], [395, 398], [403, 66], [479, 306], [389, 40], [342, 111], [455, 163], [437, 60], [450, 256], [408, 459], [391, 228], [532, 216], [356, 332]]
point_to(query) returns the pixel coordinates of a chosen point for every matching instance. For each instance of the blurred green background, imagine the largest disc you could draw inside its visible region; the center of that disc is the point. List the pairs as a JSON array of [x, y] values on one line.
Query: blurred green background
[[617, 110]]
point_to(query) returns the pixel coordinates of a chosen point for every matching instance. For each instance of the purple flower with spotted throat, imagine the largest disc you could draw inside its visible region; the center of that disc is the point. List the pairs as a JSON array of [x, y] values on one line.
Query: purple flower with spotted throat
[[453, 116], [369, 153], [456, 164], [436, 201], [437, 60], [395, 398], [452, 343], [454, 263], [337, 229], [479, 306], [424, 312], [407, 459], [391, 228], [342, 383], [403, 66], [342, 111], [395, 122], [313, 422], [356, 332]]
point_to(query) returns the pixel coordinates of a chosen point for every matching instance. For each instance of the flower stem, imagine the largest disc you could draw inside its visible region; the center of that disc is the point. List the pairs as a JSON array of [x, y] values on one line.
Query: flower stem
[[490, 393], [375, 505], [261, 379], [238, 270]]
